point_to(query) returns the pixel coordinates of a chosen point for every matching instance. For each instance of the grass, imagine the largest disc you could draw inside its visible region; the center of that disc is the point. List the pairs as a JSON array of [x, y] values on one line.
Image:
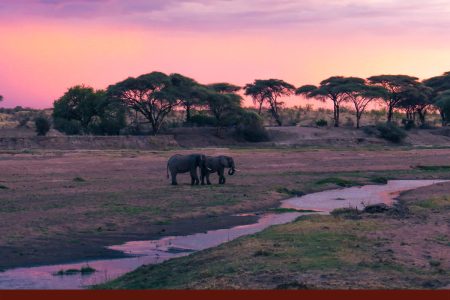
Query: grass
[[79, 179], [338, 181], [282, 210], [86, 270], [290, 192], [442, 168], [3, 187]]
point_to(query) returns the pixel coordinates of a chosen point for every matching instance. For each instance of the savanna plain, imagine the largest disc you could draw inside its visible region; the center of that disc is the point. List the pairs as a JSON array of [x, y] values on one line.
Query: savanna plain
[[67, 205]]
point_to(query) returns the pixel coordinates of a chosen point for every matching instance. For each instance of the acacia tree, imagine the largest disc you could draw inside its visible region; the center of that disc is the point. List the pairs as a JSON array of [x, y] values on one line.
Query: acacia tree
[[395, 85], [153, 95], [223, 103], [361, 94], [269, 91], [439, 84], [190, 93], [442, 101], [334, 88], [224, 87], [416, 100], [82, 109]]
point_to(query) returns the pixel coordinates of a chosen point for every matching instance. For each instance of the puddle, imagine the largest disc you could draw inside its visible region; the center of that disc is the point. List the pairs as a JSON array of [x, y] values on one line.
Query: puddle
[[157, 251]]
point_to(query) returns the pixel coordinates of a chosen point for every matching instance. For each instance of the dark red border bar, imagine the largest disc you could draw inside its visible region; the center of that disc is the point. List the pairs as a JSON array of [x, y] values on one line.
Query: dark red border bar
[[222, 295]]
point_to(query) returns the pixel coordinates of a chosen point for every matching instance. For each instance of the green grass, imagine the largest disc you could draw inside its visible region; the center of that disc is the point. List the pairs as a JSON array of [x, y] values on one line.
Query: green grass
[[79, 179], [281, 210], [290, 192], [338, 181], [86, 270], [442, 168]]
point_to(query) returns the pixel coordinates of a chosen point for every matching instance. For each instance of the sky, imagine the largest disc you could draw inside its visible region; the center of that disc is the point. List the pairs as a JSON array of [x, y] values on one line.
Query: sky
[[47, 46]]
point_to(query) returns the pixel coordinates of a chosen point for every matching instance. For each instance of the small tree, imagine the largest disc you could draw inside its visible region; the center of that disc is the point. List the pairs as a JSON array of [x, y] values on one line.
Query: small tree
[[42, 125], [83, 110], [416, 100], [442, 101], [395, 85], [189, 92], [439, 84], [269, 91], [153, 95], [360, 94], [223, 107], [250, 127], [334, 88]]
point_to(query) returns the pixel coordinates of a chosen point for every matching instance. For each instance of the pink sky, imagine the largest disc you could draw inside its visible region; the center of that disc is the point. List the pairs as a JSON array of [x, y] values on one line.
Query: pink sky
[[46, 46]]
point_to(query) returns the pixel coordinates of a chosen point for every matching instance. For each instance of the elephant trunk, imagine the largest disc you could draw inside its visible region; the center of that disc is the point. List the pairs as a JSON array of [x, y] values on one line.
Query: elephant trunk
[[232, 169]]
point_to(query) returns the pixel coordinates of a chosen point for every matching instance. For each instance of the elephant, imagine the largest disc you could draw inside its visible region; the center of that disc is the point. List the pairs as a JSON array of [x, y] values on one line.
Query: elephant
[[185, 163], [217, 164]]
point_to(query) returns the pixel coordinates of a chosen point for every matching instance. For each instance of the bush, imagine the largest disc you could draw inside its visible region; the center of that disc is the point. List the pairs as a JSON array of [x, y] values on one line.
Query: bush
[[202, 120], [321, 123], [391, 132], [69, 127], [408, 124], [250, 128], [42, 125]]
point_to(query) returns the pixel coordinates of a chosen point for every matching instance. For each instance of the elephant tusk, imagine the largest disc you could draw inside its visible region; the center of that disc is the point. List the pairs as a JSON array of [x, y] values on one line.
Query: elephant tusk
[[211, 170], [237, 170]]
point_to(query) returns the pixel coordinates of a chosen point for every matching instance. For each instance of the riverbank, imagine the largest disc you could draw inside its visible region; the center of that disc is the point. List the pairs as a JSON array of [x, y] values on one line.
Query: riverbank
[[402, 248]]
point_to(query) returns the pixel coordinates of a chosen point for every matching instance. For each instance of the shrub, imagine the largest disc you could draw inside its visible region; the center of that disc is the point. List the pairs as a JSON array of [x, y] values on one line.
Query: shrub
[[250, 128], [321, 123], [42, 125], [408, 124], [69, 127], [390, 132], [202, 120]]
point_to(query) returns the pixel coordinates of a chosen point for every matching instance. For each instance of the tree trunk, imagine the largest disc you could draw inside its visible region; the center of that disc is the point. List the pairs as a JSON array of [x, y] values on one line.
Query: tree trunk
[[336, 115], [422, 114], [389, 115], [260, 107], [188, 113], [358, 118]]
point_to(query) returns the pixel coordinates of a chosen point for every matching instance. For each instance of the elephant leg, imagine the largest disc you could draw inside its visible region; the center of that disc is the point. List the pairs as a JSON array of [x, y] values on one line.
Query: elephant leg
[[207, 179], [194, 177], [174, 178], [221, 177]]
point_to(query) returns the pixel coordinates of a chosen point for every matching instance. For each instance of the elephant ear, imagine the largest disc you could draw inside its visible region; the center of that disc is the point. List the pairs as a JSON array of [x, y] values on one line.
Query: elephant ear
[[224, 161]]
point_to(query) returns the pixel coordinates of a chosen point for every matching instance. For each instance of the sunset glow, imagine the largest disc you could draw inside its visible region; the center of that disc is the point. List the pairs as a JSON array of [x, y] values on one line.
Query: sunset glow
[[46, 46]]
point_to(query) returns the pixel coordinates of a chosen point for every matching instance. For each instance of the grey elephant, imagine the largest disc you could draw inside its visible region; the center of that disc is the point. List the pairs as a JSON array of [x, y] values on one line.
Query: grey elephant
[[217, 164], [185, 163]]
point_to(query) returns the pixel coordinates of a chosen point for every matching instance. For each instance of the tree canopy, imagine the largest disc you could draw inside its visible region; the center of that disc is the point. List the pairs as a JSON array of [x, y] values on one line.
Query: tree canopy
[[361, 94], [335, 88], [153, 95], [442, 101], [83, 110], [439, 83], [395, 85], [269, 91]]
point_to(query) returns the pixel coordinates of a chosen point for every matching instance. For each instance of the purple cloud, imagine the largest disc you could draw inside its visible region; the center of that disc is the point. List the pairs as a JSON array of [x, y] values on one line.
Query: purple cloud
[[237, 14]]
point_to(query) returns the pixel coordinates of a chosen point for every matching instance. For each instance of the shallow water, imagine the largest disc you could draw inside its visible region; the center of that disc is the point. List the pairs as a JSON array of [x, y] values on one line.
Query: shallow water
[[157, 251]]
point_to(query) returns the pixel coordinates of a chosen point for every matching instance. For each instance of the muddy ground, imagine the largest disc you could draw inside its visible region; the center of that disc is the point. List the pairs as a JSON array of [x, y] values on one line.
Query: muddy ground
[[60, 206]]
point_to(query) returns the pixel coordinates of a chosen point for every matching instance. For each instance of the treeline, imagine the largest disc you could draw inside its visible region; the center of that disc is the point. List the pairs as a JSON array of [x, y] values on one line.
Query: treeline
[[152, 97]]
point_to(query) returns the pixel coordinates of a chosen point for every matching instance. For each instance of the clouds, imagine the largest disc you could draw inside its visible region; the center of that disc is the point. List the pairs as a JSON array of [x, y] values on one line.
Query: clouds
[[237, 14]]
